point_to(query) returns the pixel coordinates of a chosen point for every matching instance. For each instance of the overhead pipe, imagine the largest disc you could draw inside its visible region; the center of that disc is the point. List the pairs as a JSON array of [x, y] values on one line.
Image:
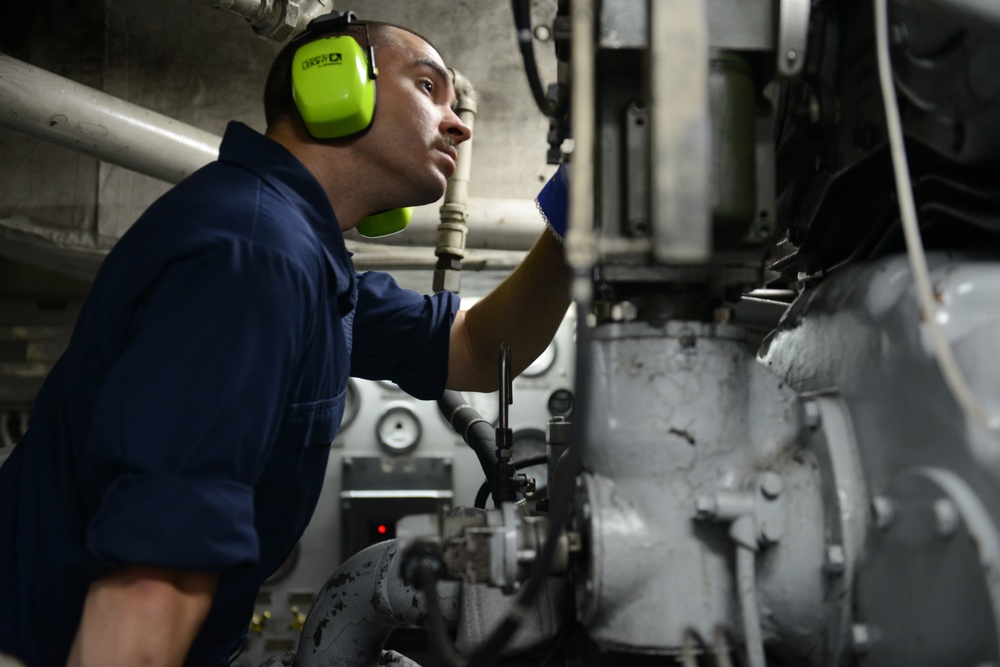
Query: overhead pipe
[[361, 604], [70, 114], [452, 232], [274, 19], [497, 223]]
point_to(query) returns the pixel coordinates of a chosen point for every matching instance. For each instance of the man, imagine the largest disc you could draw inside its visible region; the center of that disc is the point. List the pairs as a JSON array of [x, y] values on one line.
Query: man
[[178, 447]]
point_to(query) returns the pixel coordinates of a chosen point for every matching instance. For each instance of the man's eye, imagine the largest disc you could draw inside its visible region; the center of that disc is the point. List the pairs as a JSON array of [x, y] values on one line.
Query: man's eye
[[428, 86]]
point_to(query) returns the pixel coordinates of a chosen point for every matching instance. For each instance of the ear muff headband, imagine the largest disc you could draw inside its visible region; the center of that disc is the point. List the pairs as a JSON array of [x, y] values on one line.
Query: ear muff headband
[[333, 79]]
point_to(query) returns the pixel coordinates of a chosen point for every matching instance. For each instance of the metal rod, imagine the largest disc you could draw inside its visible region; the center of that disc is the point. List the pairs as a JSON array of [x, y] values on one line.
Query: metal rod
[[69, 114], [581, 249]]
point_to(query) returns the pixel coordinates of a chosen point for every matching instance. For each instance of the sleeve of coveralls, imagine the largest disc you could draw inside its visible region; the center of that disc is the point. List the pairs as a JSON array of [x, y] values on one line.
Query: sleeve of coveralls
[[402, 335], [185, 417]]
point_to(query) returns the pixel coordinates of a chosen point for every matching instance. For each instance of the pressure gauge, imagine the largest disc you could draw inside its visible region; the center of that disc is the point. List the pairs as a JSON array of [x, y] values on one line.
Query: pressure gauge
[[543, 363], [398, 428]]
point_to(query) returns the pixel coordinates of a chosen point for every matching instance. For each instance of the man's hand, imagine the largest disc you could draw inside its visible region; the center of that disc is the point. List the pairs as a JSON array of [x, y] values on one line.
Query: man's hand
[[142, 615]]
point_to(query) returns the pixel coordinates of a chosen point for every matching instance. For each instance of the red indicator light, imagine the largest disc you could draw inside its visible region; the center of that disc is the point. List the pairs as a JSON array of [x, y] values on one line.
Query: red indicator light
[[382, 530]]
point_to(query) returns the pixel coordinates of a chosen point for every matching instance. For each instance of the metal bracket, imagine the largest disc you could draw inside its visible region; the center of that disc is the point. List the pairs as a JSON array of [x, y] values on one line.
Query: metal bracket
[[793, 35]]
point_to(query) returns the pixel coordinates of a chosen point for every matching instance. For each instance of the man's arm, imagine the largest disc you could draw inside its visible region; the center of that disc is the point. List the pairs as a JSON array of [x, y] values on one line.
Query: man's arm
[[142, 615], [525, 310]]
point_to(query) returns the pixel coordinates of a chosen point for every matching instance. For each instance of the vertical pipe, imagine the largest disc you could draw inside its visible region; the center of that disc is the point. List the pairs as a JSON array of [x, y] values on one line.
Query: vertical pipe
[[581, 251], [452, 230], [680, 148]]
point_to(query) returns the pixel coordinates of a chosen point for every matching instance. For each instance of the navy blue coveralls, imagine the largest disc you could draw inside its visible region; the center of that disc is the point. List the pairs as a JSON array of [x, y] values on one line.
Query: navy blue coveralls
[[188, 424]]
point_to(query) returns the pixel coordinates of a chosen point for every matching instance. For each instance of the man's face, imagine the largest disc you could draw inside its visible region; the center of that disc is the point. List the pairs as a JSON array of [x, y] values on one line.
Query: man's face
[[412, 140]]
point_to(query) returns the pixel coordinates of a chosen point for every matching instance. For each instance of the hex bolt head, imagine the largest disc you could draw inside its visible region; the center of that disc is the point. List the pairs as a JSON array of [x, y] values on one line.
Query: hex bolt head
[[770, 485], [861, 638], [812, 415], [836, 561], [946, 516], [770, 532], [706, 507], [883, 511]]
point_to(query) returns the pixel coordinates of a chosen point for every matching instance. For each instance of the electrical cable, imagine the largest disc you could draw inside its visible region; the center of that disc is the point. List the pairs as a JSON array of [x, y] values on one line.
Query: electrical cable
[[483, 494], [478, 433], [525, 43], [559, 645], [911, 231], [487, 487]]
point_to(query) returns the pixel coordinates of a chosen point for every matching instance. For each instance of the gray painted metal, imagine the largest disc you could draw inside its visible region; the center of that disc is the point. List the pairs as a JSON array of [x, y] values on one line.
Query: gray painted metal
[[680, 412], [793, 36], [859, 336], [681, 131], [361, 604], [928, 591], [61, 111]]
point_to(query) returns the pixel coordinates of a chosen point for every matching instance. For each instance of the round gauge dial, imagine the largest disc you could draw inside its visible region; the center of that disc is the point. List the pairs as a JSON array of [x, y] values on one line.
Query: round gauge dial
[[398, 429], [543, 363]]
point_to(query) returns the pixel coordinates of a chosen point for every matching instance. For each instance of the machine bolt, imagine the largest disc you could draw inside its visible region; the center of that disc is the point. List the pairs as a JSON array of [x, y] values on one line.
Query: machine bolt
[[624, 311], [883, 510], [771, 485], [813, 418], [770, 532], [947, 517], [835, 560], [706, 507], [861, 638]]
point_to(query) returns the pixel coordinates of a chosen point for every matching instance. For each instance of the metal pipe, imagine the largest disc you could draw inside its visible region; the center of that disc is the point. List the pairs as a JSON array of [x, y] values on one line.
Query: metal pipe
[[69, 114], [274, 19], [581, 251], [497, 224], [361, 604], [451, 232]]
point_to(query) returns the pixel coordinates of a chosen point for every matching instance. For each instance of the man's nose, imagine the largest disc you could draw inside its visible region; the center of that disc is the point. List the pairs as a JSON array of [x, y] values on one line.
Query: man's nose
[[455, 128]]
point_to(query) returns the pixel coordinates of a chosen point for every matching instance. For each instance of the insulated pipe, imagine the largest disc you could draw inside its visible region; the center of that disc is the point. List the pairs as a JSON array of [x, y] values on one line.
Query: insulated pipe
[[361, 604], [69, 114], [452, 230]]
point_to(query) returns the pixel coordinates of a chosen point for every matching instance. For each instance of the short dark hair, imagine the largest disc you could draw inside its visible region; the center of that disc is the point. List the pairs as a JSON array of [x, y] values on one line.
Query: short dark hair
[[278, 102]]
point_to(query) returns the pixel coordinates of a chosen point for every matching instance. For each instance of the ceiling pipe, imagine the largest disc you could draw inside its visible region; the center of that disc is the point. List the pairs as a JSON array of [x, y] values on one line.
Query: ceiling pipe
[[69, 114], [274, 19]]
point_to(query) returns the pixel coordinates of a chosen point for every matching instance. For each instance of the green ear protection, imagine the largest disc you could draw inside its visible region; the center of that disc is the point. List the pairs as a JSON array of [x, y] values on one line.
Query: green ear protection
[[333, 85]]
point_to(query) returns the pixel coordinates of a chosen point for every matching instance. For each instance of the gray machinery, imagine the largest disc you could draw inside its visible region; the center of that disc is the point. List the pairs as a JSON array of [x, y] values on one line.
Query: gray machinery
[[813, 182]]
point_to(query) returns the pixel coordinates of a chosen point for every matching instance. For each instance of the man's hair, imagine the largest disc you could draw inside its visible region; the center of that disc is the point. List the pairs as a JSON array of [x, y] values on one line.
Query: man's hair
[[278, 101]]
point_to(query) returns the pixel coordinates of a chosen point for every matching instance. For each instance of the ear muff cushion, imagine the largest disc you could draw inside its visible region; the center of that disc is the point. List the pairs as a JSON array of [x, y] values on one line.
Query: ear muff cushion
[[332, 88], [385, 223]]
